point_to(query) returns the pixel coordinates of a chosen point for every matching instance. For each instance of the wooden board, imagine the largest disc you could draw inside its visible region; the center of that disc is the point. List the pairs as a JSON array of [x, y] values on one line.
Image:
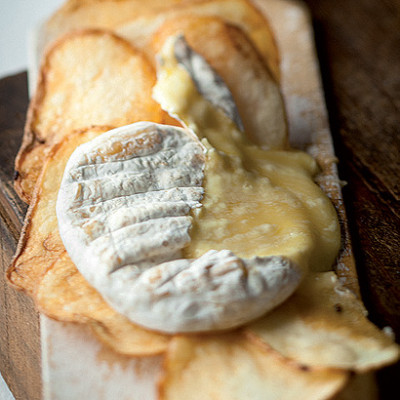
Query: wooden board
[[19, 325], [371, 195]]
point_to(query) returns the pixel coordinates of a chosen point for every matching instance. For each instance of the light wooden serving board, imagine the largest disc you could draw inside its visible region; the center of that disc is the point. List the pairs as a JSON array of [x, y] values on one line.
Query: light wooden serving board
[[74, 364]]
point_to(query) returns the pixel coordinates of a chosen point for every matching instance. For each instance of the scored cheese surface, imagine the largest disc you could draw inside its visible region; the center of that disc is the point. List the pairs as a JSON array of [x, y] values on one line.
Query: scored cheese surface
[[123, 211]]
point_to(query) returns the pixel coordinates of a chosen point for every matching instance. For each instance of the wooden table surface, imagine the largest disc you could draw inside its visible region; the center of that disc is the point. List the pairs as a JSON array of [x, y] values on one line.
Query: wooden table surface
[[358, 43]]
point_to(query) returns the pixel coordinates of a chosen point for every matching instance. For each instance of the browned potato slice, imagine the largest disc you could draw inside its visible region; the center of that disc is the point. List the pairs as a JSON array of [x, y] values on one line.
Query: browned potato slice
[[104, 14], [229, 367], [228, 50], [240, 13], [42, 268], [63, 294], [325, 325], [87, 78], [40, 244], [78, 14], [144, 17]]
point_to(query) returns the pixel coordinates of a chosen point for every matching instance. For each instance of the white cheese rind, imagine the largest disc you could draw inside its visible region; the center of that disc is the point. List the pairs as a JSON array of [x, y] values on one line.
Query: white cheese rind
[[216, 291], [208, 83], [124, 216]]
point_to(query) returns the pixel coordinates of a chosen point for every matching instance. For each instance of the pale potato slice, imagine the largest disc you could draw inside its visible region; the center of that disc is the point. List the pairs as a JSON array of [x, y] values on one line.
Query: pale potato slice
[[240, 13], [63, 294], [40, 244], [87, 78], [229, 367], [142, 18], [325, 325], [231, 54]]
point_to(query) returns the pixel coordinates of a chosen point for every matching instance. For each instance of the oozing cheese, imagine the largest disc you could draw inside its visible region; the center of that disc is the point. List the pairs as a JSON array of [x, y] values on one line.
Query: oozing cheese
[[123, 211], [257, 202]]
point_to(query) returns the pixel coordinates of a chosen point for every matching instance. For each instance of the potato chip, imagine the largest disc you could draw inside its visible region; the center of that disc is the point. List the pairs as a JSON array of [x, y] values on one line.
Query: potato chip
[[78, 14], [87, 78], [240, 13], [230, 367], [142, 18], [64, 294], [40, 244], [229, 52], [323, 324]]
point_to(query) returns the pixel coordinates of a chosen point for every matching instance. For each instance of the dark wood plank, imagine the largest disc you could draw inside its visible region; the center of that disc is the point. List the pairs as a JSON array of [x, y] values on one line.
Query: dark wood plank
[[19, 332], [359, 49], [13, 108], [19, 327], [360, 53]]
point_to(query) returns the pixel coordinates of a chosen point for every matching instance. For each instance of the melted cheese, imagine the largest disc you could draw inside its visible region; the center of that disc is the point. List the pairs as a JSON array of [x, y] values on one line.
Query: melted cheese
[[181, 236], [257, 202], [123, 211]]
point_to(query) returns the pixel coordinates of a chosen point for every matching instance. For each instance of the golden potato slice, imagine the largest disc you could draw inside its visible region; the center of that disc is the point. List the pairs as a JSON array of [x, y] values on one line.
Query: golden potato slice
[[230, 53], [99, 14], [229, 367], [325, 325], [63, 294], [144, 17], [40, 244], [78, 14], [240, 13], [87, 78]]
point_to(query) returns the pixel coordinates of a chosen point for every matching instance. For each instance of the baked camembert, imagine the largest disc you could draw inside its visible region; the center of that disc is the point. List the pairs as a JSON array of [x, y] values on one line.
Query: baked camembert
[[193, 229]]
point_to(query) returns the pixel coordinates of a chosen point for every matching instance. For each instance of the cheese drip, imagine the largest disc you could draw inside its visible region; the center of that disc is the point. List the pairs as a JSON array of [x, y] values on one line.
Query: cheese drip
[[257, 201]]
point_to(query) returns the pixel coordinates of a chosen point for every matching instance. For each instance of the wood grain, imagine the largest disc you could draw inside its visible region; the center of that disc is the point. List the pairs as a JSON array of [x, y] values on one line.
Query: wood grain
[[19, 333], [359, 50], [13, 108], [19, 327]]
